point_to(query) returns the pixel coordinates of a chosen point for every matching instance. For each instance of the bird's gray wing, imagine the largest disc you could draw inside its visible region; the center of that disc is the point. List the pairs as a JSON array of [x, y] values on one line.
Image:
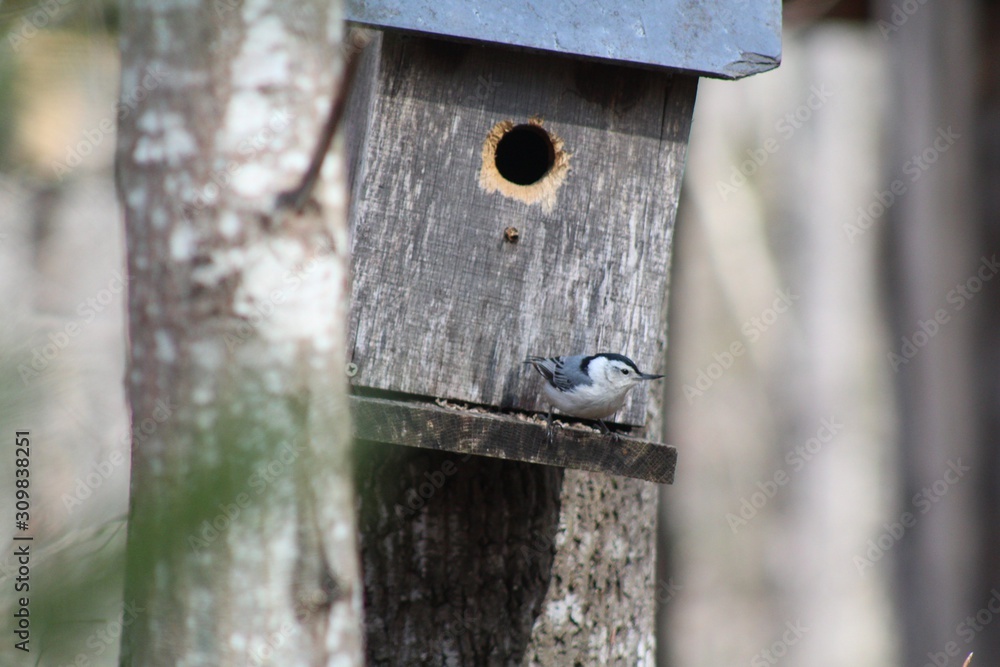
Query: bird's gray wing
[[563, 373]]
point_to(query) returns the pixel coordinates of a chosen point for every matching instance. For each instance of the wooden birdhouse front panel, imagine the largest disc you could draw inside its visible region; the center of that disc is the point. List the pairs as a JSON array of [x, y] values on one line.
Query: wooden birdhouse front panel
[[506, 204]]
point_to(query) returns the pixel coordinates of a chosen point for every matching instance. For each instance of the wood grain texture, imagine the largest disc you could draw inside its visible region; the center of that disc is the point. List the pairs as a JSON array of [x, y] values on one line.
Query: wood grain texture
[[442, 306], [501, 436]]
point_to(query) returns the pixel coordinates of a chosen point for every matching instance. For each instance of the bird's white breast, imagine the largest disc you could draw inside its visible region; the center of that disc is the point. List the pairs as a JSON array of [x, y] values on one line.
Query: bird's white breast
[[586, 401]]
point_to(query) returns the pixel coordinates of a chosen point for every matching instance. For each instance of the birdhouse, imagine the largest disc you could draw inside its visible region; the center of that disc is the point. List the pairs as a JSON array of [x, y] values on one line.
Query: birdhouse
[[515, 177]]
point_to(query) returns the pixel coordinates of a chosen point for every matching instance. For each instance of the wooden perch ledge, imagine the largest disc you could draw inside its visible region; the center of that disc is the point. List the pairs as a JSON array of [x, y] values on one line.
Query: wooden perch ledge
[[416, 424]]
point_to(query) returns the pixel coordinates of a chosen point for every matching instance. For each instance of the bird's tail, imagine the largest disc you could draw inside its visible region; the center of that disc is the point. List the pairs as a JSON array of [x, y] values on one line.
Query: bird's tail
[[544, 365]]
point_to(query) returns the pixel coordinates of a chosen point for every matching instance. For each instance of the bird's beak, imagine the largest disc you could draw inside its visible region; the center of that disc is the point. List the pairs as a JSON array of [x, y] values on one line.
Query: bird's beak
[[649, 376]]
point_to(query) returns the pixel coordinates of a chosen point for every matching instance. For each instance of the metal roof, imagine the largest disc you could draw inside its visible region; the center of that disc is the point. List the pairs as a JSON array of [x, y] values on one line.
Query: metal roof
[[728, 39]]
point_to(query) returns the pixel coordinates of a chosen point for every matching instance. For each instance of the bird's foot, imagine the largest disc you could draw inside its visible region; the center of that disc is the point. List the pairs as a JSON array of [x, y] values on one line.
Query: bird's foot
[[607, 431]]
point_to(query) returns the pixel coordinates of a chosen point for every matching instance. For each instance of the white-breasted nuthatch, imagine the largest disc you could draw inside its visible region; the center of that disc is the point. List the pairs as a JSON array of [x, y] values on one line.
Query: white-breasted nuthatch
[[588, 386]]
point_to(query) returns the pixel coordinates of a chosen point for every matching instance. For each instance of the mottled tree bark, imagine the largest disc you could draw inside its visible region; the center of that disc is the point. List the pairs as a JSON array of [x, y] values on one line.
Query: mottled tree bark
[[478, 561], [458, 551], [242, 541]]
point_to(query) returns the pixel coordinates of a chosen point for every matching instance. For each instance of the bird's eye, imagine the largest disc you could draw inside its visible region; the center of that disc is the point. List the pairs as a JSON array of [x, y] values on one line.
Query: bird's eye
[[624, 371]]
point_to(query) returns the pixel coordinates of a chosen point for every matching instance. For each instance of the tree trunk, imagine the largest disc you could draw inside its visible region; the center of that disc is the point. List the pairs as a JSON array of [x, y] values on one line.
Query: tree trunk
[[242, 540], [783, 443], [479, 561], [933, 261]]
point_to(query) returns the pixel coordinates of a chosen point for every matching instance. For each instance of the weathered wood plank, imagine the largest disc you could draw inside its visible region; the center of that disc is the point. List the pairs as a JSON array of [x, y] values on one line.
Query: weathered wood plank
[[442, 306], [506, 437]]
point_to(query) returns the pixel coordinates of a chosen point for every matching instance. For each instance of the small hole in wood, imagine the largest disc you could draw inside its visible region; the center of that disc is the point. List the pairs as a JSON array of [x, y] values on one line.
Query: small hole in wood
[[525, 154], [524, 161]]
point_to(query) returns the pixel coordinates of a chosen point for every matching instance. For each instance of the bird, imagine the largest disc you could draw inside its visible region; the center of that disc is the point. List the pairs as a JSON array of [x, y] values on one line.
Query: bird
[[588, 386]]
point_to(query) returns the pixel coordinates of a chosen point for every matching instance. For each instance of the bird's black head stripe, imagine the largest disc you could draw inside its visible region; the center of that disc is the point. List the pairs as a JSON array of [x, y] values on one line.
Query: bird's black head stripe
[[611, 356]]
